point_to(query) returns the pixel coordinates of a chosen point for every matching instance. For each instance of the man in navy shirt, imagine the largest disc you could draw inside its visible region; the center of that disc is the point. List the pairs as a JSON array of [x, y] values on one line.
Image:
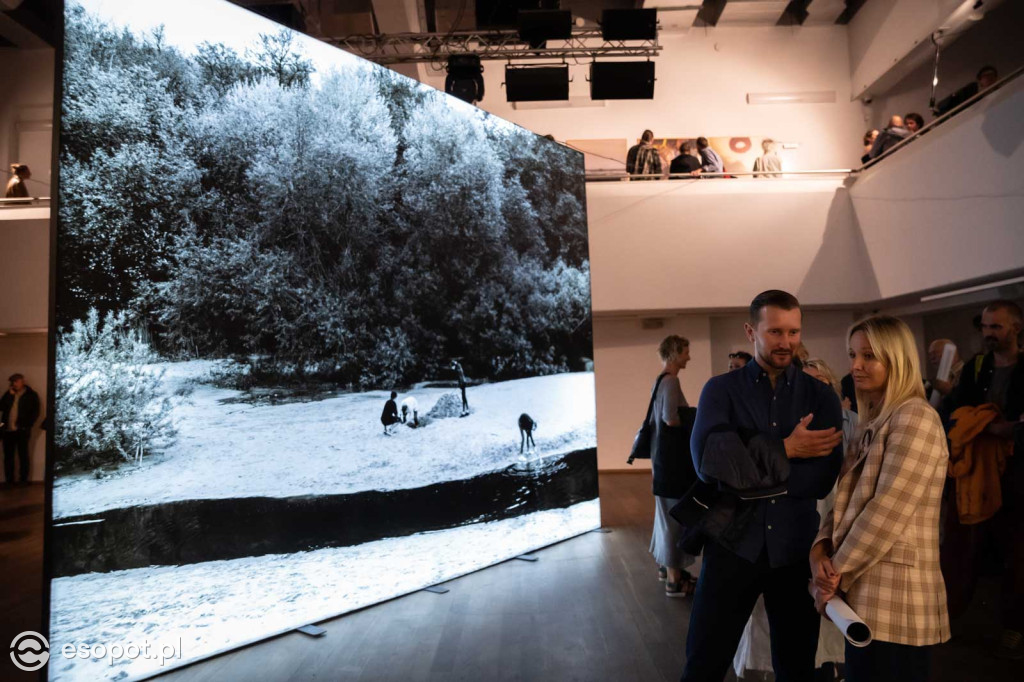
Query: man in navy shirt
[[771, 412]]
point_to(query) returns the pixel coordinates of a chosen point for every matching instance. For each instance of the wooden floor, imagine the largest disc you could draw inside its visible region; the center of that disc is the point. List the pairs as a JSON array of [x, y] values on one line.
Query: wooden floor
[[590, 609]]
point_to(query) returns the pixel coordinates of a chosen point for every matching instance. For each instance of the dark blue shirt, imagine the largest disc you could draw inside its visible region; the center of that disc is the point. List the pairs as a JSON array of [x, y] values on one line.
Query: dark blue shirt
[[744, 403]]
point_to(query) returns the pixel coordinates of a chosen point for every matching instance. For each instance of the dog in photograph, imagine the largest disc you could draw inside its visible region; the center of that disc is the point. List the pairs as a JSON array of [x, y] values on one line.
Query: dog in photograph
[[526, 427]]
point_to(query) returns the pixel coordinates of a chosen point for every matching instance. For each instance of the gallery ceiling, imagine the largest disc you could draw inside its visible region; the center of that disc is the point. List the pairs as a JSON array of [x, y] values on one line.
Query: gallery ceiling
[[339, 18]]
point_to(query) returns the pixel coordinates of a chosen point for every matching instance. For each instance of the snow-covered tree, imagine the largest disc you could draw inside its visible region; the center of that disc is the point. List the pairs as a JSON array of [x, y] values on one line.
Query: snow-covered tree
[[110, 408]]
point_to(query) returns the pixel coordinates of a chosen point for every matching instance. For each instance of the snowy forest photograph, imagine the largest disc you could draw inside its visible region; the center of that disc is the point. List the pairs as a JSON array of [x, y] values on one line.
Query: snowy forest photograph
[[323, 335]]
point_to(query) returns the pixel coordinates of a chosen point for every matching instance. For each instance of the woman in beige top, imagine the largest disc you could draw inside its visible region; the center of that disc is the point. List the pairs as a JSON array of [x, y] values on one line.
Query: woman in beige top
[[879, 546]]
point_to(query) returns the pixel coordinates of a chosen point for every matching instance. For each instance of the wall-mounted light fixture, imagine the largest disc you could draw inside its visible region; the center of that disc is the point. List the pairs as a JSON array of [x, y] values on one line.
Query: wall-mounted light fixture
[[971, 290], [823, 97]]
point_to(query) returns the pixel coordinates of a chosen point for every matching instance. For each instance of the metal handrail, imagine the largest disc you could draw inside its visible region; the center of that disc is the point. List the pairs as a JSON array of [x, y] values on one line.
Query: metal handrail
[[763, 175], [945, 117], [22, 201]]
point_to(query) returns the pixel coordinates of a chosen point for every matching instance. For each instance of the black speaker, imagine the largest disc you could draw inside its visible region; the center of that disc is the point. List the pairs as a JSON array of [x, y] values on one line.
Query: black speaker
[[536, 83], [629, 24], [622, 80], [539, 25]]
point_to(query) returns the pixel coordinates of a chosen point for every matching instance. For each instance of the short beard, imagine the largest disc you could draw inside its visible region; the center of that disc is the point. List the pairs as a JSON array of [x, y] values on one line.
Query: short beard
[[773, 363]]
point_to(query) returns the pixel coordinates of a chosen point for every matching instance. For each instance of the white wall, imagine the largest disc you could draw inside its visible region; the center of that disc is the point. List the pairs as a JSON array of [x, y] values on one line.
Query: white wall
[[994, 40], [947, 209], [712, 244], [626, 363], [26, 115], [24, 268], [26, 354], [703, 78], [884, 32]]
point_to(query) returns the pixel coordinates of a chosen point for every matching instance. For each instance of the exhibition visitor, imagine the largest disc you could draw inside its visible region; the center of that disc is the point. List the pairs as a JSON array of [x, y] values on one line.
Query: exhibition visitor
[[739, 359], [985, 515], [16, 188], [754, 651], [19, 410], [671, 467], [769, 161], [879, 546], [769, 412], [644, 158]]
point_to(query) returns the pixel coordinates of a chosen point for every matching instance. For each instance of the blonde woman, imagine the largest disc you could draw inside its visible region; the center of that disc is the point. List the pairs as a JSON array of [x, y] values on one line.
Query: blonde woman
[[879, 546]]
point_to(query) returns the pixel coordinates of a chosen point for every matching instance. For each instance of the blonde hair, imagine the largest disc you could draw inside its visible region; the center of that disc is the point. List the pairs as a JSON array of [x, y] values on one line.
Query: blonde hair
[[671, 347], [893, 344], [820, 365]]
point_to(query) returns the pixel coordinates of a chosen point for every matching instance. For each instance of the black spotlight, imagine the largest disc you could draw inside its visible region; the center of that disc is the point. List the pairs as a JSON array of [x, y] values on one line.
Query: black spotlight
[[536, 83], [536, 26], [622, 80], [629, 24], [465, 78]]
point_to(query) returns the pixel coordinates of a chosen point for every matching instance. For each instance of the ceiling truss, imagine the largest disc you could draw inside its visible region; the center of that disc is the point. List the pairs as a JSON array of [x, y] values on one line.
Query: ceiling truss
[[413, 48]]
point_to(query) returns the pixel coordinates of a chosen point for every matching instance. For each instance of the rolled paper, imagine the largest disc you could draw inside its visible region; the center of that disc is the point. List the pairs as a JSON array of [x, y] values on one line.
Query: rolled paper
[[945, 368], [854, 629]]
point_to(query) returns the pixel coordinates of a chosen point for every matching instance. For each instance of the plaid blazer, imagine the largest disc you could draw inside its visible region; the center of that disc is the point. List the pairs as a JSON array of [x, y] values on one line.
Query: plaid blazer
[[884, 527]]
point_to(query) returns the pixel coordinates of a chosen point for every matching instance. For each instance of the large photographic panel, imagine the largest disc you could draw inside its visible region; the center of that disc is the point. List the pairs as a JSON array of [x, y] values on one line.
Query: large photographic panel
[[323, 337]]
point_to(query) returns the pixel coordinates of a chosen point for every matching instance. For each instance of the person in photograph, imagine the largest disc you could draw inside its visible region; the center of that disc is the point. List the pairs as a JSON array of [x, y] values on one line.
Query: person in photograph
[[671, 467], [461, 376], [19, 410], [16, 188], [768, 412], [739, 359], [390, 414], [878, 548], [410, 408], [644, 158]]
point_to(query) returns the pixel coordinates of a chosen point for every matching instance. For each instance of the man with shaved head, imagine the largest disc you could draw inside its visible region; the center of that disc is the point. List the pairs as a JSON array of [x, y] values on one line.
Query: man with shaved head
[[889, 138]]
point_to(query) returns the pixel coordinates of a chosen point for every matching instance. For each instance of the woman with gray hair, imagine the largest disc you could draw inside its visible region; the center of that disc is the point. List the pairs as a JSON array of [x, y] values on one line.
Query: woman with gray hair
[[672, 468]]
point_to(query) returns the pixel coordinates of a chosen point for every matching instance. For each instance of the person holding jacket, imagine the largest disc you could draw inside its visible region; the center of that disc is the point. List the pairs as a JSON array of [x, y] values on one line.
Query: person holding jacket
[[785, 428], [879, 546]]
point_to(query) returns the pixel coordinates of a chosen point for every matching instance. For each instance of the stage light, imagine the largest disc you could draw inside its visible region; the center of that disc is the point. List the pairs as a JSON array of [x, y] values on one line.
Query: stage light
[[629, 24], [622, 80], [536, 83], [465, 78]]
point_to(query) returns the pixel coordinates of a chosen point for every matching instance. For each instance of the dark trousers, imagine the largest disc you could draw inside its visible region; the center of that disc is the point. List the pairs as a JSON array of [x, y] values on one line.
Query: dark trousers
[[884, 661], [726, 593], [465, 403], [994, 546], [16, 441]]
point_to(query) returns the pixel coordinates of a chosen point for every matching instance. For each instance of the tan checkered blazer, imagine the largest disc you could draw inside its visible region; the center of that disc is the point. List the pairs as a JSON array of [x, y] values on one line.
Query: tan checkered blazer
[[884, 527]]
